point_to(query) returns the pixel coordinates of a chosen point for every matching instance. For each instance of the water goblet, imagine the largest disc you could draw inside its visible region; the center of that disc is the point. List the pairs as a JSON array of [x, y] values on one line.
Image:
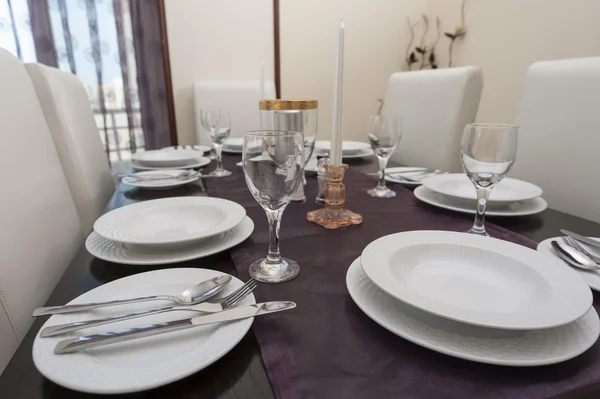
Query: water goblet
[[218, 126], [384, 134], [273, 163], [487, 153]]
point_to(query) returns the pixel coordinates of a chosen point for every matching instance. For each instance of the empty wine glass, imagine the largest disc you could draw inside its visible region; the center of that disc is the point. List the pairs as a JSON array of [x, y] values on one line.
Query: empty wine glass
[[487, 153], [384, 133], [218, 126], [273, 163]]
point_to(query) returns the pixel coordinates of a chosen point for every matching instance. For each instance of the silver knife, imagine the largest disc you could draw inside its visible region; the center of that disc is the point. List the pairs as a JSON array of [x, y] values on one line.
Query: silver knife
[[242, 312], [581, 238]]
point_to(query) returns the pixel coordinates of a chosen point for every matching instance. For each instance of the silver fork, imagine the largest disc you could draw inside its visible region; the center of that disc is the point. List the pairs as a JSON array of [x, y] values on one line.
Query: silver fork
[[572, 242], [215, 306]]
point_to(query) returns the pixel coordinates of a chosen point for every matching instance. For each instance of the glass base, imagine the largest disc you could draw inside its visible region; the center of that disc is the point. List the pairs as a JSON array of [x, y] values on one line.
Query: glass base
[[478, 232], [381, 193], [265, 272], [334, 218], [219, 173]]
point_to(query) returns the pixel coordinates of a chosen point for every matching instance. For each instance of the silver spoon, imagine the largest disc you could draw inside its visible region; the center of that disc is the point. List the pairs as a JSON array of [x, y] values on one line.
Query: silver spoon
[[193, 295], [181, 176], [573, 257], [573, 243]]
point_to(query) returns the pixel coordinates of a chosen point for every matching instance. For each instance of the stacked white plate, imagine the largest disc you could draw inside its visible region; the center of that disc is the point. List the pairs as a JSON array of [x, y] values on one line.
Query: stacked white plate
[[475, 298], [233, 146], [350, 149], [169, 230], [168, 159], [456, 192]]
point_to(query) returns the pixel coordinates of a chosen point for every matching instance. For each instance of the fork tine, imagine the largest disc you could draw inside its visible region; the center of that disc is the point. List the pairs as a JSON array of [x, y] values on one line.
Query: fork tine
[[234, 293], [241, 293], [234, 302]]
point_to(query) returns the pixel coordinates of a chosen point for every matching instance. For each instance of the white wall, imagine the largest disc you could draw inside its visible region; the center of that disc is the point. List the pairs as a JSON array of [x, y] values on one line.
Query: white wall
[[213, 40], [504, 37], [375, 38]]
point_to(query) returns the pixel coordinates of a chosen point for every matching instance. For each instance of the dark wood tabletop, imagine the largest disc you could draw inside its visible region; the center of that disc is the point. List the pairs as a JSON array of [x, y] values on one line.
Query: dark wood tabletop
[[240, 373]]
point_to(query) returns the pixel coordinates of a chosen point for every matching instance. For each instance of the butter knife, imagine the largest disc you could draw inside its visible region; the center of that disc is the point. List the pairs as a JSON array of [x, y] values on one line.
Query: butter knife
[[242, 312], [581, 238]]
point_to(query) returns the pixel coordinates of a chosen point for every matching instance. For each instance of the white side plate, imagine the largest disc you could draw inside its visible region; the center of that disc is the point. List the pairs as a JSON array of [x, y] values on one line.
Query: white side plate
[[477, 280], [164, 158], [195, 164], [458, 185], [348, 147], [148, 362], [170, 220], [501, 347], [524, 208], [590, 277], [142, 255], [159, 184]]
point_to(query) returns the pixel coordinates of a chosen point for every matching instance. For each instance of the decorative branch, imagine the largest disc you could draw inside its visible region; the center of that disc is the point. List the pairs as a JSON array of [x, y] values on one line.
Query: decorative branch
[[380, 107], [458, 33], [432, 60], [422, 49], [410, 57]]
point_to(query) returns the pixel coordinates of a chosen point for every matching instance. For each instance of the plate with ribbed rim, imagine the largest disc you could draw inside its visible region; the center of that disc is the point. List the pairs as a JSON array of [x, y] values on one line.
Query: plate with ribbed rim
[[591, 277], [348, 147], [477, 280], [144, 363], [173, 181], [459, 186], [128, 254], [484, 345], [174, 220], [164, 158], [194, 164], [521, 208]]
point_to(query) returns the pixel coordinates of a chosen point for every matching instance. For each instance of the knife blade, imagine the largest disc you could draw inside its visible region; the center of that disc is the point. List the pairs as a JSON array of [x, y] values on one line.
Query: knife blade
[[242, 312], [581, 238]]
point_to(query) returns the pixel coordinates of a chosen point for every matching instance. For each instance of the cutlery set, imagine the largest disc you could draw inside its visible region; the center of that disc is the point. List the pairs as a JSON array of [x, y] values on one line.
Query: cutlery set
[[573, 253], [193, 299]]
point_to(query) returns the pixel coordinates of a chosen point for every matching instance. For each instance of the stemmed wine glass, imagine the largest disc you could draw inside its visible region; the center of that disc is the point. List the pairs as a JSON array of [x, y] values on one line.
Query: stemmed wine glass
[[218, 126], [487, 153], [273, 163], [384, 133]]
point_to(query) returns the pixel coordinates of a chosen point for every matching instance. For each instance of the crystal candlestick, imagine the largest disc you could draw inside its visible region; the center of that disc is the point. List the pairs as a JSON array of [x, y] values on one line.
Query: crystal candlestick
[[334, 215]]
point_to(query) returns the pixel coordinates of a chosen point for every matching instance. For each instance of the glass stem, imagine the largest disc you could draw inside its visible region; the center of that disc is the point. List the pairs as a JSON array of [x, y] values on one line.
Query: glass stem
[[482, 196], [218, 148], [382, 165], [274, 218]]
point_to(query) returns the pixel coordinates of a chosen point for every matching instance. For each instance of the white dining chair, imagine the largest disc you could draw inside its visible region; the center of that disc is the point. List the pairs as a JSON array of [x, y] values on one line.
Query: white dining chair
[[239, 98], [559, 134], [435, 105], [69, 115], [40, 231]]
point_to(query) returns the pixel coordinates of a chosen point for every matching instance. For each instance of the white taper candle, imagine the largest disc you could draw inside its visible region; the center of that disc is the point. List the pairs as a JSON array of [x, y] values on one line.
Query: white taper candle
[[262, 80], [338, 83]]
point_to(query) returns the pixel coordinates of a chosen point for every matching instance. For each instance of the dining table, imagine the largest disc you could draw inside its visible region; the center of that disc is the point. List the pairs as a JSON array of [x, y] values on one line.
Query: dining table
[[242, 373]]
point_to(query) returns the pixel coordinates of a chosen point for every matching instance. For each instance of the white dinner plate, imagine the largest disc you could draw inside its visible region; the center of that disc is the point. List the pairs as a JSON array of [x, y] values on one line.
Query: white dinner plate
[[195, 147], [477, 280], [524, 208], [195, 164], [159, 184], [459, 186], [501, 347], [348, 147], [311, 166], [128, 254], [591, 277], [165, 158], [234, 145], [403, 169], [148, 362], [361, 154], [173, 220]]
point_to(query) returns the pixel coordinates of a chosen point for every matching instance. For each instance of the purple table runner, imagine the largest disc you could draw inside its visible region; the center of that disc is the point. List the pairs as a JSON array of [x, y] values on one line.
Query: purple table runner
[[328, 348]]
